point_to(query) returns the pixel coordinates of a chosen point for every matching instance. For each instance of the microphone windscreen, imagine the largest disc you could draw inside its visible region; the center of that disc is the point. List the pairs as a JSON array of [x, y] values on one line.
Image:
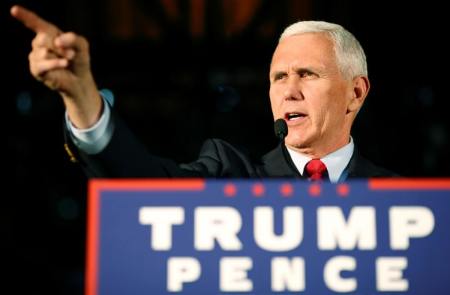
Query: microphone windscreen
[[280, 128]]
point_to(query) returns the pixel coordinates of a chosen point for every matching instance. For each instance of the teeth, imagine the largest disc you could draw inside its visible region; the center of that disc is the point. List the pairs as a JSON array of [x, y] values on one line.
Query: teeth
[[293, 116]]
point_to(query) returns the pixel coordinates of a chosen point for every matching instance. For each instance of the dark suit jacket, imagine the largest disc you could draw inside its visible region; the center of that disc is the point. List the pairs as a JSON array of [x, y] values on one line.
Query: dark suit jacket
[[126, 157]]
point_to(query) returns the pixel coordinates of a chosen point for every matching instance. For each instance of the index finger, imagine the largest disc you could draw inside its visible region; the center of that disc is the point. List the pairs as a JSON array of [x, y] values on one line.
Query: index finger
[[32, 20]]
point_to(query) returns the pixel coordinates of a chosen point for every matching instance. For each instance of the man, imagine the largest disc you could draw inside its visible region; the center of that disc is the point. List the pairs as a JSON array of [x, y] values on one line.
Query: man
[[318, 83]]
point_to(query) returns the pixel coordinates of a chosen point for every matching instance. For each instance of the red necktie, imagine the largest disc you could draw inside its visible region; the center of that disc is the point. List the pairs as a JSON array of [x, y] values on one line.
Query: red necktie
[[315, 169]]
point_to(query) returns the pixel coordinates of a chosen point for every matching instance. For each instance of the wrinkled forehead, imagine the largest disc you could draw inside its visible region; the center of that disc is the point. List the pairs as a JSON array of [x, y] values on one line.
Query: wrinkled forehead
[[305, 47]]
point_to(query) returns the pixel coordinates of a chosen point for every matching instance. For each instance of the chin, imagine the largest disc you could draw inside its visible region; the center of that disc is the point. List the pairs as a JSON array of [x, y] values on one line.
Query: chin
[[295, 142], [303, 141]]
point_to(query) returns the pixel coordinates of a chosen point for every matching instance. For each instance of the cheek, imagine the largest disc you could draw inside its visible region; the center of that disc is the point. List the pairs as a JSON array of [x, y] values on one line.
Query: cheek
[[318, 109], [274, 101], [331, 108], [339, 99], [333, 114], [338, 106]]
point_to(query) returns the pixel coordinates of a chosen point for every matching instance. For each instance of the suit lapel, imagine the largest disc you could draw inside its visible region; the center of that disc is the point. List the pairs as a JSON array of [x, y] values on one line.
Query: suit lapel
[[278, 163], [360, 167], [355, 167]]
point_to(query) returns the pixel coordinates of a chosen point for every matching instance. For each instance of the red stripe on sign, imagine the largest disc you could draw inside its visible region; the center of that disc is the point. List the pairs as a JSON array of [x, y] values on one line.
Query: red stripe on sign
[[92, 240], [150, 184], [409, 184]]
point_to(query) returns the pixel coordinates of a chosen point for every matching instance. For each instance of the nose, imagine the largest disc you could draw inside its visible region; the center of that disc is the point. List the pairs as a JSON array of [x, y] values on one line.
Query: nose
[[292, 89]]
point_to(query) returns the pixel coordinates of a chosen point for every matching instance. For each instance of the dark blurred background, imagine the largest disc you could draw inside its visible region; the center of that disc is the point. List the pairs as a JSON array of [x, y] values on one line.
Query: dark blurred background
[[184, 71]]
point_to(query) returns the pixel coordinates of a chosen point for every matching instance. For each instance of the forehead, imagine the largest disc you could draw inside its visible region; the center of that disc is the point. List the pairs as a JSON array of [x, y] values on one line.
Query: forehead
[[305, 49]]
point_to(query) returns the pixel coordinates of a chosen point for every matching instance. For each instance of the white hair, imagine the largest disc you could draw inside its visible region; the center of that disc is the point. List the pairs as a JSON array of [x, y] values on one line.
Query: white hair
[[350, 55]]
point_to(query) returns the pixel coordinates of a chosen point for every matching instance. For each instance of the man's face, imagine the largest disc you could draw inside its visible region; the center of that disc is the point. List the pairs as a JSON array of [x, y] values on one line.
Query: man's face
[[309, 92]]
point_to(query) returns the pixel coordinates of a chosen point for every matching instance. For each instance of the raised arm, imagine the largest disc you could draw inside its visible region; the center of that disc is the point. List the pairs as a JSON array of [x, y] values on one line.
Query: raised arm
[[61, 61]]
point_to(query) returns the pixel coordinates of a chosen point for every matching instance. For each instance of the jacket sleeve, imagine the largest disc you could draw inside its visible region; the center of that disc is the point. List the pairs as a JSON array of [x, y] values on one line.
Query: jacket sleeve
[[126, 157], [123, 157]]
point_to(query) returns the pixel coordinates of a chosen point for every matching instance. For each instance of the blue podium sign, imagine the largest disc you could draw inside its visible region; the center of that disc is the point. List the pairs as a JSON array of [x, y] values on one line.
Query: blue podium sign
[[196, 236]]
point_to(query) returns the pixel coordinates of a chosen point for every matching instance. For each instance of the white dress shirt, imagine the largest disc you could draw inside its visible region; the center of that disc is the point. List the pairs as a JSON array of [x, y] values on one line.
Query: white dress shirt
[[94, 139]]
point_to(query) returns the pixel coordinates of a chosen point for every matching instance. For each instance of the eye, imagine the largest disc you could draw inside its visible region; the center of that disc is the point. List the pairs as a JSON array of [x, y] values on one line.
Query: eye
[[305, 73], [279, 76]]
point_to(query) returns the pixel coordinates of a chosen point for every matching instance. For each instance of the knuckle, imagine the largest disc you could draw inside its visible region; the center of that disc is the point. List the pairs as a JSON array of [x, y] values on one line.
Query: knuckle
[[36, 42], [71, 35], [41, 53], [41, 40]]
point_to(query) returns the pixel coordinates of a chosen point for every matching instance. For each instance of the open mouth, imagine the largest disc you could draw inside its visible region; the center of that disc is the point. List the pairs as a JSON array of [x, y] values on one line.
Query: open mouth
[[294, 116]]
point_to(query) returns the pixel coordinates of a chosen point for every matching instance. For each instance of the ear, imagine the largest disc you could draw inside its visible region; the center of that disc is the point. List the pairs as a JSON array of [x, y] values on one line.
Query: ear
[[361, 86]]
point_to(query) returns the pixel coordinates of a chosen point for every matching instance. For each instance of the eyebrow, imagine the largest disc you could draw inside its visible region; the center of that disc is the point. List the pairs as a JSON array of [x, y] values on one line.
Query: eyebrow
[[273, 75], [317, 70]]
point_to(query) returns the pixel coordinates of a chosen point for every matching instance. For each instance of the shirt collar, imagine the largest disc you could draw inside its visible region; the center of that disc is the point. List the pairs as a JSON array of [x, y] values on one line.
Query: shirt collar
[[335, 161]]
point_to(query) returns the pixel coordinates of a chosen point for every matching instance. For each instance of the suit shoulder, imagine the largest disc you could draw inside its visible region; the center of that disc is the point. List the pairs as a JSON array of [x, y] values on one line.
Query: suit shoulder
[[360, 166], [219, 158]]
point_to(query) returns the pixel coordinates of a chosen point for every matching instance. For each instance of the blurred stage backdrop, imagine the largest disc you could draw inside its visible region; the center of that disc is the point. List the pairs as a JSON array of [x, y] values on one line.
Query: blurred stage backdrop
[[186, 70]]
